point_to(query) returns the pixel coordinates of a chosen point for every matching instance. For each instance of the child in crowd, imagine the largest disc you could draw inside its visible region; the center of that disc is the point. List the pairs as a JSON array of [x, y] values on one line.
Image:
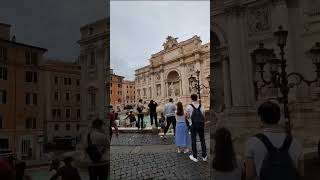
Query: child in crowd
[[162, 122], [132, 118]]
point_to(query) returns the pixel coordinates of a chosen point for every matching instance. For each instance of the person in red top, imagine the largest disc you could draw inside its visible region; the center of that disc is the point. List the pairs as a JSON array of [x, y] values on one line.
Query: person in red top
[[112, 117], [67, 172]]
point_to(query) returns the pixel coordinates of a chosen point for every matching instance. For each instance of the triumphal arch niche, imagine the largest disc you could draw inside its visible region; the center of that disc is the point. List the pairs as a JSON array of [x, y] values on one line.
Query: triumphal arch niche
[[237, 29], [172, 72]]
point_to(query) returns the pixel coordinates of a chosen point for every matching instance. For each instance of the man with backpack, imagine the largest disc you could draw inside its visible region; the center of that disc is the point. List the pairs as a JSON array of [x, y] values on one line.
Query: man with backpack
[[97, 145], [273, 154], [195, 112], [140, 108]]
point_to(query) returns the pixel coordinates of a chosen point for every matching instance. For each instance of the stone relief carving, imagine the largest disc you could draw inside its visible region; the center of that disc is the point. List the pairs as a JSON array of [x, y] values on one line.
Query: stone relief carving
[[170, 90], [190, 68], [158, 90], [258, 20], [158, 76], [177, 89], [170, 43]]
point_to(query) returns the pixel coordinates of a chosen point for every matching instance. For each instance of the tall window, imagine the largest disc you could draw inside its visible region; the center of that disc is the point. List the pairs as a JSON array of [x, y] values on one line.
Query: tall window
[[68, 127], [78, 97], [3, 53], [69, 81], [78, 113], [31, 58], [56, 127], [31, 123], [3, 73], [65, 81], [54, 113], [68, 113], [56, 80], [34, 123], [35, 99], [92, 59], [31, 76], [56, 96], [78, 127], [67, 96], [59, 113], [78, 82], [27, 98], [93, 99], [3, 96], [1, 122]]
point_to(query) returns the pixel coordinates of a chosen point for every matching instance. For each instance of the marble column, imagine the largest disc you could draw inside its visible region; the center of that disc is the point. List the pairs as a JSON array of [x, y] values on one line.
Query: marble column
[[163, 94], [236, 63], [226, 80], [153, 86]]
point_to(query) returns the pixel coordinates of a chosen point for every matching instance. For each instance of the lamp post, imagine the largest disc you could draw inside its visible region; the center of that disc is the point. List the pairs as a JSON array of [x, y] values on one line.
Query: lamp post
[[197, 85], [279, 76]]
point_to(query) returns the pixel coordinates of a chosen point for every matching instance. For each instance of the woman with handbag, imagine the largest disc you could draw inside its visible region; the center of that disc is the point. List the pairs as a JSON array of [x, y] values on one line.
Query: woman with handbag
[[182, 137]]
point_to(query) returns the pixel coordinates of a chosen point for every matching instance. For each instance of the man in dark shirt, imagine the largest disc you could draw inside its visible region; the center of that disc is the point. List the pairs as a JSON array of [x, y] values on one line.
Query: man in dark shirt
[[153, 112]]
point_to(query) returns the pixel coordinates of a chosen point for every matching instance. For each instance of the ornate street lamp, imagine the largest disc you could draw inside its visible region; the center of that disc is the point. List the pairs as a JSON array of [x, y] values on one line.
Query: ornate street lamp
[[279, 77], [197, 85]]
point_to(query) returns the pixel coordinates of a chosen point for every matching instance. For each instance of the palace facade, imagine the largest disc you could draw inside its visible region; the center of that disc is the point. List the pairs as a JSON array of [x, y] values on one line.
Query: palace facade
[[172, 72]]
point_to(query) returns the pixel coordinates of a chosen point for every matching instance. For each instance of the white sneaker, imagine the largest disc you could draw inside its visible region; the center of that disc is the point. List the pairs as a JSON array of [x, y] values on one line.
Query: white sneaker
[[205, 158], [192, 158]]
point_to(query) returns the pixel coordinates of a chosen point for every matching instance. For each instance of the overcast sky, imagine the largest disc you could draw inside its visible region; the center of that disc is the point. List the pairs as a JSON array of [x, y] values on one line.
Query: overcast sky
[[139, 28], [51, 24]]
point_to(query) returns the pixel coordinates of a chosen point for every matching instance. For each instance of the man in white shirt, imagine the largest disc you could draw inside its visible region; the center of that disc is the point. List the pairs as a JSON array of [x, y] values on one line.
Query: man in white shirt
[[256, 150], [169, 112], [140, 108], [196, 126]]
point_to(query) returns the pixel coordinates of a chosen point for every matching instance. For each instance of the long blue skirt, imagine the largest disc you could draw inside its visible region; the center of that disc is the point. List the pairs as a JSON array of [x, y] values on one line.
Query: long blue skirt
[[182, 135]]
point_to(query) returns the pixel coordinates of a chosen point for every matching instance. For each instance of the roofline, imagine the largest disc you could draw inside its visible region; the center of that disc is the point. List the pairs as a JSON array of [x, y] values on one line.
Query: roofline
[[106, 19], [4, 24], [25, 45]]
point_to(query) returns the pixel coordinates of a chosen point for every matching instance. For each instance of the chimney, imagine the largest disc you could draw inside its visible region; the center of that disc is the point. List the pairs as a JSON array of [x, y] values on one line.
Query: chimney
[[5, 31]]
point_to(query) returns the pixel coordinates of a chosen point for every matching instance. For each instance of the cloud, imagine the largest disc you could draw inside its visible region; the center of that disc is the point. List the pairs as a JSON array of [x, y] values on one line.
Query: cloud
[[54, 25], [138, 29]]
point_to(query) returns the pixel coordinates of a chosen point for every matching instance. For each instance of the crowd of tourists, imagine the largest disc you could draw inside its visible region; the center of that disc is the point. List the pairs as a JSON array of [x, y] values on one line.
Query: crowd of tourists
[[272, 154], [187, 121]]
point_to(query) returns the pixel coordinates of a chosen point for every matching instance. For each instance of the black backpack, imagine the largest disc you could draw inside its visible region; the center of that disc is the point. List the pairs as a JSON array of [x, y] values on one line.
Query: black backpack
[[139, 109], [197, 118], [93, 151], [277, 164]]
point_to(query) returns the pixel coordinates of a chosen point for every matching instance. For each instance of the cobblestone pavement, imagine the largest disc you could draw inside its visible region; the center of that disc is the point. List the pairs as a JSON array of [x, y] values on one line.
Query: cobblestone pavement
[[140, 140], [147, 156]]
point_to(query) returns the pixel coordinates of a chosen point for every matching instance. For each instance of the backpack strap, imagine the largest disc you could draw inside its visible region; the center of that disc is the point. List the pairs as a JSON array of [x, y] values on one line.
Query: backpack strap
[[89, 139], [264, 139], [287, 143], [192, 106]]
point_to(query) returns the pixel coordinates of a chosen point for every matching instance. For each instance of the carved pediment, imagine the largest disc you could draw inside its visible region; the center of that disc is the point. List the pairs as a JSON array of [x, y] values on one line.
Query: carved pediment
[[170, 43]]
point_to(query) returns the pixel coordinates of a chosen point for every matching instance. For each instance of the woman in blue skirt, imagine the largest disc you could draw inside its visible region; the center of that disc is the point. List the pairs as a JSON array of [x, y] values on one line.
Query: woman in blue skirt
[[182, 133]]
